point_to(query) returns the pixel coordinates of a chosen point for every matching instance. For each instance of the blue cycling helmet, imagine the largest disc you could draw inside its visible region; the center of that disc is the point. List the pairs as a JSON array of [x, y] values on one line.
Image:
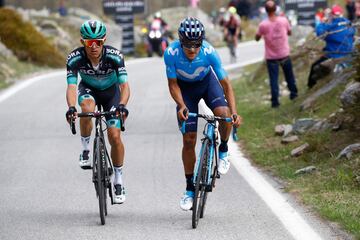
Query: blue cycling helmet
[[191, 31], [93, 29]]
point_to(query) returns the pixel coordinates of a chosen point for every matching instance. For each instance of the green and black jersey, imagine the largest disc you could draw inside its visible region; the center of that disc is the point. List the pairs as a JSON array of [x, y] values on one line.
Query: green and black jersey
[[111, 69]]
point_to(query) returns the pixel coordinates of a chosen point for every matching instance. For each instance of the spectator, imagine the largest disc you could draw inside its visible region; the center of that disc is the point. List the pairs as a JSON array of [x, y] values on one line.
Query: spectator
[[339, 38], [275, 31], [350, 9], [357, 9], [194, 3]]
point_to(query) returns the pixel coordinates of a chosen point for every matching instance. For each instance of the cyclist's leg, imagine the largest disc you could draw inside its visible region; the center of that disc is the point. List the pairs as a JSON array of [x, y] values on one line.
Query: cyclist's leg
[[110, 99], [215, 99], [191, 95], [86, 100]]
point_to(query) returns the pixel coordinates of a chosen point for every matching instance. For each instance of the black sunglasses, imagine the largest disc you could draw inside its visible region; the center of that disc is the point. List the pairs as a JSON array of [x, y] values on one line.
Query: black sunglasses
[[191, 45]]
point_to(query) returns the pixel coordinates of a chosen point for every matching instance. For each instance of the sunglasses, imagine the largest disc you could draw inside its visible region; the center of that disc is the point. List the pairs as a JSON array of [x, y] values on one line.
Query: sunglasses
[[90, 42], [192, 45]]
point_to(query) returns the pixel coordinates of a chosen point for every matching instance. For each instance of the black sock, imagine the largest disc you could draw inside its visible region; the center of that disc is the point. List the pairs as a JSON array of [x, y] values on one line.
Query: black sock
[[223, 146], [189, 182]]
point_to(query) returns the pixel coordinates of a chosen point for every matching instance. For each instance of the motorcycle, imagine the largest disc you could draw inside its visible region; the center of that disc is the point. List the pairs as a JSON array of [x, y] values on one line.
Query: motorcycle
[[156, 40]]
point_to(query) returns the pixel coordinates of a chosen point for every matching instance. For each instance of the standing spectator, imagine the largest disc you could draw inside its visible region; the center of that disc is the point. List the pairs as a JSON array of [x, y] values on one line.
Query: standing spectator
[[357, 9], [194, 3], [339, 38], [350, 9], [275, 31]]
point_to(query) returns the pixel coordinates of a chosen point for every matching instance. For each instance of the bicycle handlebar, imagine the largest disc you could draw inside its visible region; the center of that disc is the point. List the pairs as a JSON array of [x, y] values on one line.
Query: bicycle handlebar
[[96, 115], [211, 118]]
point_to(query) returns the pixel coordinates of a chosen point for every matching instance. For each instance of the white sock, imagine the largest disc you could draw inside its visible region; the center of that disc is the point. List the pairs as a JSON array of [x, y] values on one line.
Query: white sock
[[118, 176], [85, 142]]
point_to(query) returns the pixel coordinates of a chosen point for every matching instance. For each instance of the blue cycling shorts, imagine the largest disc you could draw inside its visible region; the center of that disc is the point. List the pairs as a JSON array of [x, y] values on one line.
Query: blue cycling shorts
[[209, 89]]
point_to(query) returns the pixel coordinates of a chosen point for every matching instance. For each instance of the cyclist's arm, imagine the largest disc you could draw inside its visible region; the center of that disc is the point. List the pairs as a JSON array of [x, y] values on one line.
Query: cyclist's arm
[[71, 95], [175, 92], [229, 94], [125, 93], [71, 79], [224, 80]]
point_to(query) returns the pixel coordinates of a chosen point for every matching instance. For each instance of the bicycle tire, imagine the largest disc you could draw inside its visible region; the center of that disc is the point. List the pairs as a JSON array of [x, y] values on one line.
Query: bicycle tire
[[101, 191], [214, 176], [200, 192]]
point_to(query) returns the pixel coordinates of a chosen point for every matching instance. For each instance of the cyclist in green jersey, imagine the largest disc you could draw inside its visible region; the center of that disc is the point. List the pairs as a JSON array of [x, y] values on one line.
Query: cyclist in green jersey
[[103, 81]]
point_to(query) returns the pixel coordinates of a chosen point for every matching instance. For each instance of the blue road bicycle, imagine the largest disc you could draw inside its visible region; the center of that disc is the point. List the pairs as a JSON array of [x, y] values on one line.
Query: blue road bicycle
[[206, 166]]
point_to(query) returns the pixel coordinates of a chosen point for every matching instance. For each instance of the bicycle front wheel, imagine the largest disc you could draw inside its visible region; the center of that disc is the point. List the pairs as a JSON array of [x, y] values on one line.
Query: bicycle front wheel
[[100, 178], [200, 191]]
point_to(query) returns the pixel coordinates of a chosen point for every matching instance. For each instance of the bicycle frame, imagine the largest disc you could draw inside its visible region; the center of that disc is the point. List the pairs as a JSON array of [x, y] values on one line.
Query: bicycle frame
[[210, 134]]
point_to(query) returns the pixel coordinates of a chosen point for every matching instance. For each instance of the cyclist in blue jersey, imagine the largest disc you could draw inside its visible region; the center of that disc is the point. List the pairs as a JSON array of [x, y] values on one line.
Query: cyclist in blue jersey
[[104, 81], [195, 72]]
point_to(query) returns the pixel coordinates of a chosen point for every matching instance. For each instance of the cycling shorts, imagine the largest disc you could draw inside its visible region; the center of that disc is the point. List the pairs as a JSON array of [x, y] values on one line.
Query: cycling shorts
[[209, 89], [108, 98]]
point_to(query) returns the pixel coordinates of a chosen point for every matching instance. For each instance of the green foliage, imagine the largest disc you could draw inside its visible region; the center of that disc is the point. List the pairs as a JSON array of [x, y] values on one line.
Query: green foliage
[[26, 42]]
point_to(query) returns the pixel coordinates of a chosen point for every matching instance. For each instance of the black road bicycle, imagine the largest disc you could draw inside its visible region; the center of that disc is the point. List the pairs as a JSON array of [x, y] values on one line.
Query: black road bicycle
[[102, 167]]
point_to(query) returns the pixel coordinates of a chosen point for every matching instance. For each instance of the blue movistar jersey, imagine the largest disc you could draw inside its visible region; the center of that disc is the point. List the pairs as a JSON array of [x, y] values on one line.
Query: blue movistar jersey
[[180, 67], [340, 38], [111, 69]]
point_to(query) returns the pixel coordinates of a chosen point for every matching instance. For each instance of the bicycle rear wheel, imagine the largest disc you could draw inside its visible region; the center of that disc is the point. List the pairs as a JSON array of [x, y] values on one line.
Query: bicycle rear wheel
[[100, 178], [200, 191]]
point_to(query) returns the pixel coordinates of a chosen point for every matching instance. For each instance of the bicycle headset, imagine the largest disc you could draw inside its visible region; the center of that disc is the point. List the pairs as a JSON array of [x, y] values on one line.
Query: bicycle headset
[[93, 29], [191, 31]]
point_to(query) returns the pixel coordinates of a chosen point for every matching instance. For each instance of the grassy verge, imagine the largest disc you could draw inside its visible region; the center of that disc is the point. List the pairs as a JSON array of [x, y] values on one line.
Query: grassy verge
[[332, 189]]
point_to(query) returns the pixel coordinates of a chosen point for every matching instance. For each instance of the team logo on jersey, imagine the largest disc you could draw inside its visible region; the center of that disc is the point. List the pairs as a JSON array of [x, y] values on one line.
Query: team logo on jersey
[[196, 73], [209, 50], [73, 54], [93, 72], [173, 52], [114, 51]]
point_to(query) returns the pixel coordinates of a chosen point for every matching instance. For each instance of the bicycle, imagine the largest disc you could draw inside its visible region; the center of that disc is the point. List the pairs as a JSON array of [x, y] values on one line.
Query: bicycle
[[102, 167], [206, 166]]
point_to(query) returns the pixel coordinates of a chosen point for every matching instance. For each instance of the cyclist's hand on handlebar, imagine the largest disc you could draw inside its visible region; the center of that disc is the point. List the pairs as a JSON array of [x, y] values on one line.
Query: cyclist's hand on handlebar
[[183, 113], [122, 111], [237, 120], [71, 114]]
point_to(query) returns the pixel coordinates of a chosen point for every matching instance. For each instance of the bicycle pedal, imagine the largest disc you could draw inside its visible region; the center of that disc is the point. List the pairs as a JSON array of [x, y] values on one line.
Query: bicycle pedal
[[217, 175]]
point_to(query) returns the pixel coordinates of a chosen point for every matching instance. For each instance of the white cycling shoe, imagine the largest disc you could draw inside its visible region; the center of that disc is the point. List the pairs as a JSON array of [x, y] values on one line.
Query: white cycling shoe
[[84, 160], [119, 194], [186, 201], [224, 163]]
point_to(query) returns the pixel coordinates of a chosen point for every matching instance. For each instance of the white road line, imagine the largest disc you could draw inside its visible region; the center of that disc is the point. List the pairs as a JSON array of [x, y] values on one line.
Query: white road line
[[289, 217], [19, 86]]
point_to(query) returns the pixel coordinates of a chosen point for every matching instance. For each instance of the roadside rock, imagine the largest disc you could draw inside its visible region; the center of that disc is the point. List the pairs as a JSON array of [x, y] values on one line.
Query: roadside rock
[[290, 139], [299, 150], [351, 95], [305, 170], [4, 51], [337, 79], [303, 124], [349, 150], [283, 129]]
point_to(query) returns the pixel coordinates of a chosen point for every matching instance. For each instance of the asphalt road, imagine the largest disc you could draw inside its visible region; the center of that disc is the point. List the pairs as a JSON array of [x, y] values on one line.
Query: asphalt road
[[45, 195]]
